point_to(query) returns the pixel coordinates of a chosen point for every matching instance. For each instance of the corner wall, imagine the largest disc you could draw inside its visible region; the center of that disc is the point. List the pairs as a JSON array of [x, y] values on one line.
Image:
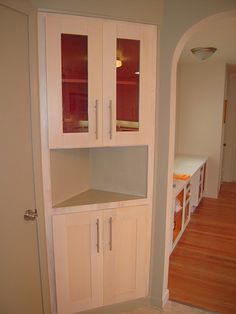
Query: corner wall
[[180, 20], [200, 116]]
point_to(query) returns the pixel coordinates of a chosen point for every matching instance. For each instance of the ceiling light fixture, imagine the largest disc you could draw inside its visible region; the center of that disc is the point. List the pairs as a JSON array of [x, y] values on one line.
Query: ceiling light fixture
[[203, 53], [118, 63]]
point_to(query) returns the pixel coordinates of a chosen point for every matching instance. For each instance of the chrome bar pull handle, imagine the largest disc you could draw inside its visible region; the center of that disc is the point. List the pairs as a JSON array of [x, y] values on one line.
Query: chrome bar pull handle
[[96, 118], [110, 117], [110, 240], [98, 240]]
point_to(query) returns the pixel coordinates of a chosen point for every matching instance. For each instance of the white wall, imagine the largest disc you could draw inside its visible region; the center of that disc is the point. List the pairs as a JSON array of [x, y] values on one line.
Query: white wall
[[199, 110], [120, 169], [229, 172], [70, 173], [177, 114]]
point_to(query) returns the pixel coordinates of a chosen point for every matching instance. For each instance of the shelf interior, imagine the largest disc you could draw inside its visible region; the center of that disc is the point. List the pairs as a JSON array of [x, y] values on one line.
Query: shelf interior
[[98, 175], [96, 197]]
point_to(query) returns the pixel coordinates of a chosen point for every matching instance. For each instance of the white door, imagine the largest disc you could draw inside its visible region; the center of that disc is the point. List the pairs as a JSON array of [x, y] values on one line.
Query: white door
[[128, 82], [78, 254], [126, 253], [74, 81], [20, 290]]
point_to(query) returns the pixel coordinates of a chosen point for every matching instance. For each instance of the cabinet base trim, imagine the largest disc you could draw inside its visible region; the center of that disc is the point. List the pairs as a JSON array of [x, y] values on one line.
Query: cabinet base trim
[[124, 306]]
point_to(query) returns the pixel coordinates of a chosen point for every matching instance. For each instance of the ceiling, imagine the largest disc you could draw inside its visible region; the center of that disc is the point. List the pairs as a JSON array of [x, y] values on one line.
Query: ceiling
[[220, 34]]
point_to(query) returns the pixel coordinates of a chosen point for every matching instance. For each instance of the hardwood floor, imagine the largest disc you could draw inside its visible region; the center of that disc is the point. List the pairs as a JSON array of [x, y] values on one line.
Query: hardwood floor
[[203, 264]]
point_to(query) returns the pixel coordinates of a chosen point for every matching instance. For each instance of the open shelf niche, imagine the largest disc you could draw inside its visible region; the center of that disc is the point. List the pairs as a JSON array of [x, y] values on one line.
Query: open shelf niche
[[98, 175]]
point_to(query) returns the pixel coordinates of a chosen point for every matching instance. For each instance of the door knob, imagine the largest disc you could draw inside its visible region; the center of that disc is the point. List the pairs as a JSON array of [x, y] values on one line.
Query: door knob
[[30, 214]]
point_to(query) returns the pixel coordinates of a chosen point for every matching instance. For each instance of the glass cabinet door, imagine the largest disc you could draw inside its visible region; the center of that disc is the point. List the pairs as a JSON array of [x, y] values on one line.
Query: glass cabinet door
[[127, 84], [74, 63], [74, 81], [100, 82]]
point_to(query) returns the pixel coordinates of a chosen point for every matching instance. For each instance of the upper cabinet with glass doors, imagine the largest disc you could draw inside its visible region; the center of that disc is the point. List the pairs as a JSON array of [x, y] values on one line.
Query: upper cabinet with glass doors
[[100, 81]]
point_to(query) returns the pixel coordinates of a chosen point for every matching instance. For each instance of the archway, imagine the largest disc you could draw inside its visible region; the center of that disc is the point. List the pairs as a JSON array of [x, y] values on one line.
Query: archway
[[181, 43]]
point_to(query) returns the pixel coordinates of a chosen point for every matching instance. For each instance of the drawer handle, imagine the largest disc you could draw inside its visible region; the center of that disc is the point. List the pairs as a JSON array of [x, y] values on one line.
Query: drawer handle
[[110, 240], [98, 240]]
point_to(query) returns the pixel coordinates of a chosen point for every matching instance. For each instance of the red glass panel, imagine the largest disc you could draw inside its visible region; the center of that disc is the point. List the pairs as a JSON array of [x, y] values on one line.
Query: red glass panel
[[74, 57], [127, 85]]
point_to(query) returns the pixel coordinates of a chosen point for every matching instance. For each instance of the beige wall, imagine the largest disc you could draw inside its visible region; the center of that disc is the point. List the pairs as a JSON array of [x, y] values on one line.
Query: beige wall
[[229, 170], [149, 11], [177, 26], [199, 109], [20, 290], [174, 23]]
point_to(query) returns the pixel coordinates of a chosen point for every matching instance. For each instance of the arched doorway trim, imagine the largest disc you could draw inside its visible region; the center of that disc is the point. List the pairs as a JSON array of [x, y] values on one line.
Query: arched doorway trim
[[173, 79]]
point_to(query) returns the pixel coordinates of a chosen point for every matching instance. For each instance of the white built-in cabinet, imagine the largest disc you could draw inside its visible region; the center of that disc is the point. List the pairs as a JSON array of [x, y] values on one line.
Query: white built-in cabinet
[[187, 193], [180, 210], [100, 81], [78, 261], [198, 183], [101, 257], [97, 96]]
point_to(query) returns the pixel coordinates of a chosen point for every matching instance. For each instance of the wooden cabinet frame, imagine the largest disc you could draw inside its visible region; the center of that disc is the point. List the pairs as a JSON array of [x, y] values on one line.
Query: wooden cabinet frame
[[192, 191], [181, 217], [102, 35], [101, 257], [50, 141]]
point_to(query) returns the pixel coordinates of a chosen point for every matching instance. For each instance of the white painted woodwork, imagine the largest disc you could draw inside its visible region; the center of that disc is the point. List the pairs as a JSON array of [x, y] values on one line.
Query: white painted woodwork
[[126, 253], [86, 278], [78, 261], [70, 173], [96, 197], [197, 187], [178, 186], [147, 36], [188, 164], [74, 172], [55, 26], [102, 35], [191, 165], [70, 200], [194, 166]]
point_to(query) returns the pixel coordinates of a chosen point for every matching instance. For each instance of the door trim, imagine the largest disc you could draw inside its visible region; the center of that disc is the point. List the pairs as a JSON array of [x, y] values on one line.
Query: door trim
[[36, 151]]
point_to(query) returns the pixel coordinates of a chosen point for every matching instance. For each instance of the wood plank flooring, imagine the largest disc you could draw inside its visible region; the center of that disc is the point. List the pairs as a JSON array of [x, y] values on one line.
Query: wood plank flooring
[[203, 264]]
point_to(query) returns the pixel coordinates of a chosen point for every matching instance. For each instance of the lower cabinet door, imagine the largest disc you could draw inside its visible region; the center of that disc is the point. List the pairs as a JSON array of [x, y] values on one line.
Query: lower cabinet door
[[178, 216], [78, 254], [126, 253]]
